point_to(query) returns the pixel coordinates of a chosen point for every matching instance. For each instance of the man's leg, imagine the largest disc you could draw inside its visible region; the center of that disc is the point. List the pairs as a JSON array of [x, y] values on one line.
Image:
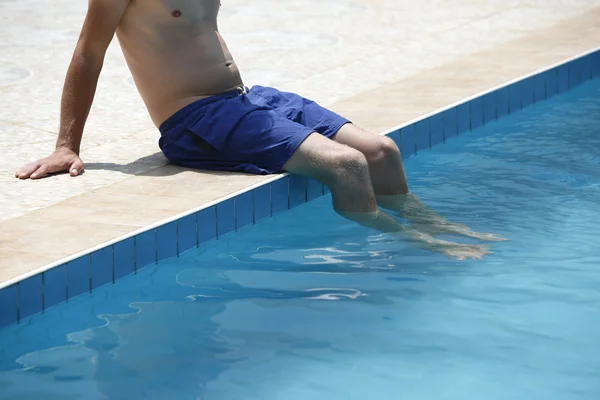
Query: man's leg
[[346, 171], [390, 185]]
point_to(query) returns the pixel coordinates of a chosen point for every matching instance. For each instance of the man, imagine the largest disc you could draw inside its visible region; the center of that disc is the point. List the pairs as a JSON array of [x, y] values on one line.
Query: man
[[208, 119]]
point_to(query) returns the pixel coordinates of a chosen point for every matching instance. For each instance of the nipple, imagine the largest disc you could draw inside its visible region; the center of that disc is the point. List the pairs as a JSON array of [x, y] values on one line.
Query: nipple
[[176, 13]]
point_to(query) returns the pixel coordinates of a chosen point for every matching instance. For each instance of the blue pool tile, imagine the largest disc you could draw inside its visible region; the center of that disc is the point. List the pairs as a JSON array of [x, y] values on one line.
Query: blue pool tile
[[187, 235], [225, 217], [297, 190], [314, 189], [476, 113], [9, 312], [30, 296], [145, 249], [124, 258], [596, 64], [539, 87], [262, 202], [575, 67], [422, 140], [450, 123], [463, 114], [78, 276], [502, 102], [243, 210], [280, 195], [514, 93], [594, 60], [436, 129], [55, 286], [527, 89], [551, 79], [396, 137], [166, 240], [407, 135], [490, 107], [102, 267], [207, 224], [563, 78], [586, 68]]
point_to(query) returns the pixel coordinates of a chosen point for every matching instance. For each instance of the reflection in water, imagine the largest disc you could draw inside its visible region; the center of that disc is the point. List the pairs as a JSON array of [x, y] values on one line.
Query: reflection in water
[[134, 354]]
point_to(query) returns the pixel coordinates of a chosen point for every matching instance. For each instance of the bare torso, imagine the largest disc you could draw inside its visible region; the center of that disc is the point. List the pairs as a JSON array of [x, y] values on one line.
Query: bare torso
[[175, 53]]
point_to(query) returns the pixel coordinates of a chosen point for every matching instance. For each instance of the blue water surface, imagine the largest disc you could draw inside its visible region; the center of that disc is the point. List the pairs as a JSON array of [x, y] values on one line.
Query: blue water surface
[[307, 305]]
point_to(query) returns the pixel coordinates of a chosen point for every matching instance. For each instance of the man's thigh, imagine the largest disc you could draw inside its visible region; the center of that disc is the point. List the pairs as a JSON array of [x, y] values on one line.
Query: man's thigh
[[315, 157], [359, 139], [303, 111]]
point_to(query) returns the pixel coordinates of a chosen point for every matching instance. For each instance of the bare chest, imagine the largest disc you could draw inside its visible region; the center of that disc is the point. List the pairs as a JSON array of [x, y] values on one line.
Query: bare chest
[[175, 12]]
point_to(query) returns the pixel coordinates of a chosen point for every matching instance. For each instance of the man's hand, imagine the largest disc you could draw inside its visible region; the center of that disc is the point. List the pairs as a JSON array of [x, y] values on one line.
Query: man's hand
[[97, 32], [62, 160]]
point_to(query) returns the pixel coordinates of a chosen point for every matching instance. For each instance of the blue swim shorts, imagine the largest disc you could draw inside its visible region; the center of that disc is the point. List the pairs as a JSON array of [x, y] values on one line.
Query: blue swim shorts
[[248, 130]]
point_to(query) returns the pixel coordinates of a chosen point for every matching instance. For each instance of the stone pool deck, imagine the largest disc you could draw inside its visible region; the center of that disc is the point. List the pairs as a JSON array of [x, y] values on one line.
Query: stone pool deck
[[380, 63]]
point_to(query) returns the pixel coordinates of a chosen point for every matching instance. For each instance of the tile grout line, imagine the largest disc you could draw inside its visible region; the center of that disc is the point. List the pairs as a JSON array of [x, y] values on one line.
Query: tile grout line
[[177, 238], [456, 117], [113, 262], [253, 211], [443, 127], [155, 245], [216, 222], [43, 292], [135, 257], [496, 102], [197, 231], [520, 97], [235, 214], [483, 110], [271, 199], [289, 200], [19, 302], [429, 134], [90, 273], [67, 281]]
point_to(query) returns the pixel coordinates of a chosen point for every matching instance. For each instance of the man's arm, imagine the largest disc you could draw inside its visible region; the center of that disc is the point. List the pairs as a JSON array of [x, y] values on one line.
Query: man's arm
[[79, 89]]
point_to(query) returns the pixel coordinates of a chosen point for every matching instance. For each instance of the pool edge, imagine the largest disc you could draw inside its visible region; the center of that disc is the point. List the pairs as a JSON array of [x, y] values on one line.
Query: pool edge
[[48, 285]]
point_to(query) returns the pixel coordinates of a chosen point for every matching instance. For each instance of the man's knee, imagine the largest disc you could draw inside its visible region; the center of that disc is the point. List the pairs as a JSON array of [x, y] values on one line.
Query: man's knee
[[348, 163], [383, 149]]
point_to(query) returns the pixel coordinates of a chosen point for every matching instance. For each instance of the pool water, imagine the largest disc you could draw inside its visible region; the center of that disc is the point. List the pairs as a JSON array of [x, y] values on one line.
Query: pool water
[[307, 305]]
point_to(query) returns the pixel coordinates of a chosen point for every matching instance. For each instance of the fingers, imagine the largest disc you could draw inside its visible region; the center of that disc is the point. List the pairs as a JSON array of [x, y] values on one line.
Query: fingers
[[76, 167], [42, 171], [37, 170], [50, 165], [26, 171]]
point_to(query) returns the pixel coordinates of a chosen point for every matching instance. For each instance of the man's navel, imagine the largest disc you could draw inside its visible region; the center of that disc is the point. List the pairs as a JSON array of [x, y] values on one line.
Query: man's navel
[[176, 13]]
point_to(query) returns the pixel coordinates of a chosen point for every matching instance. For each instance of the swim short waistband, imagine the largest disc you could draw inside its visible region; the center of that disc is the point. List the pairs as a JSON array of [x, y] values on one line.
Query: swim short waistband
[[176, 118]]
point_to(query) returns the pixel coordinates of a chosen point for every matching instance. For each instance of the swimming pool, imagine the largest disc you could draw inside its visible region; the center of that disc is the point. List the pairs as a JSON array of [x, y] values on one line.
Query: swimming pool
[[308, 305]]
